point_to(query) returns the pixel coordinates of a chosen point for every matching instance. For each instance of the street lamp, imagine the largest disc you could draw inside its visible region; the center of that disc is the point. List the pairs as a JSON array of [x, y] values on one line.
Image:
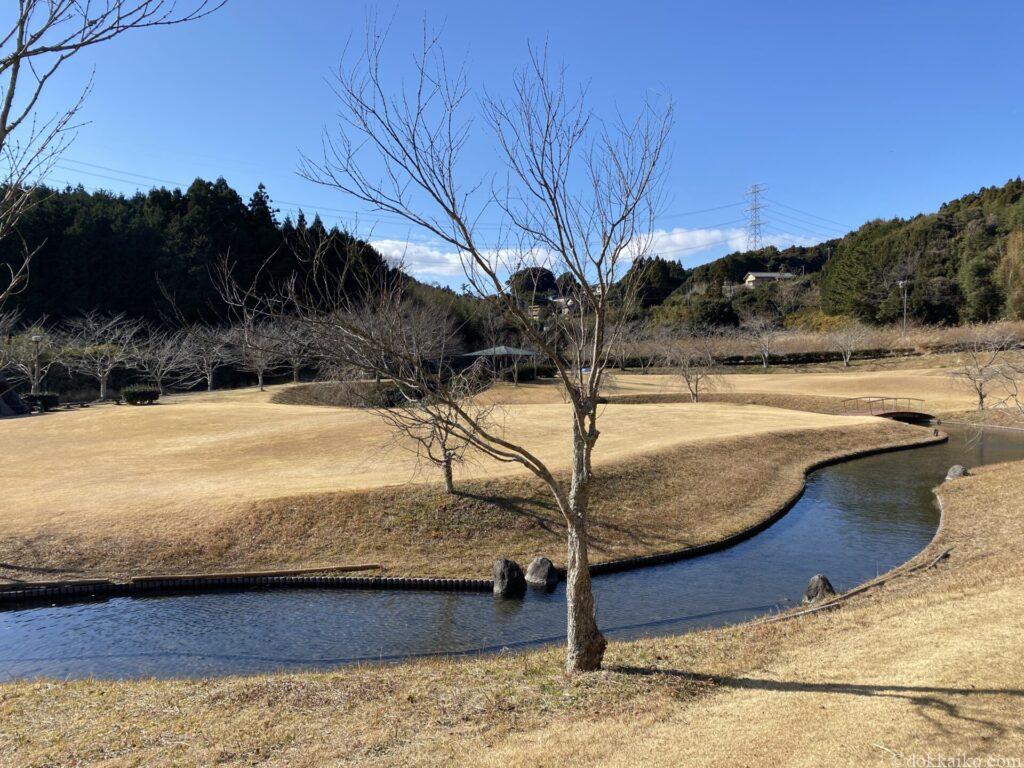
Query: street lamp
[[36, 340], [903, 287]]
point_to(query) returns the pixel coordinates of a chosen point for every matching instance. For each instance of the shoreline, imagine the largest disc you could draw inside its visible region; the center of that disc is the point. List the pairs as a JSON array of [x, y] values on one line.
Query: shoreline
[[721, 695], [97, 588]]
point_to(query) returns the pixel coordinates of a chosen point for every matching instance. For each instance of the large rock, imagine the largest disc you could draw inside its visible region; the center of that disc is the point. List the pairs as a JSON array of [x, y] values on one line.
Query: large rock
[[956, 471], [508, 578], [819, 588], [542, 574]]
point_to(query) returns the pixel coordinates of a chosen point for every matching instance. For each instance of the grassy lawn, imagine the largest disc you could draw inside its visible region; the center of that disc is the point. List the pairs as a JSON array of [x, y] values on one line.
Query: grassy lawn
[[649, 503], [928, 663], [232, 481], [929, 381]]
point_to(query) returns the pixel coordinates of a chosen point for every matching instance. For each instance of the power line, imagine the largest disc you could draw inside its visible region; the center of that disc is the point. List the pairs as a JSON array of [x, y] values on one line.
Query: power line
[[846, 227], [703, 210], [823, 229], [313, 206]]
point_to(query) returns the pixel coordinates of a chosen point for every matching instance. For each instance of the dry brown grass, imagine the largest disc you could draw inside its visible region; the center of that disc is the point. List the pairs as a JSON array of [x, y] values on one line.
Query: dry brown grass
[[926, 378], [934, 386], [652, 503], [928, 342], [809, 403], [928, 664], [156, 470]]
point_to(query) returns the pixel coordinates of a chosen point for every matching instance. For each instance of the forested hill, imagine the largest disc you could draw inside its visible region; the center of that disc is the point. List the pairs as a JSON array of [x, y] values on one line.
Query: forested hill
[[111, 253], [964, 263], [97, 250]]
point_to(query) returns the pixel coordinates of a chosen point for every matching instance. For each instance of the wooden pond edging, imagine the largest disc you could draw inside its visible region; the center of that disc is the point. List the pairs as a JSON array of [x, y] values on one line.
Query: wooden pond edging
[[89, 589]]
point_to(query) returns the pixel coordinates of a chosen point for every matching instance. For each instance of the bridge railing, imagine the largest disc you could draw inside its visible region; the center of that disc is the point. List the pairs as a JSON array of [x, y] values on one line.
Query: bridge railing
[[880, 404]]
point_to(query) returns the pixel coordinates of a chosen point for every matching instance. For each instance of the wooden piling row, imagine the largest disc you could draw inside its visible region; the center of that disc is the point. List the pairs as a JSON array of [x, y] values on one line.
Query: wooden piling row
[[156, 585]]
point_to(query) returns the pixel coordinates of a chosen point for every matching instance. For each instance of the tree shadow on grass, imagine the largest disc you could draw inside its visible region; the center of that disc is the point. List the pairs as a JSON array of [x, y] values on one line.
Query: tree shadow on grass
[[544, 513], [31, 569], [931, 702]]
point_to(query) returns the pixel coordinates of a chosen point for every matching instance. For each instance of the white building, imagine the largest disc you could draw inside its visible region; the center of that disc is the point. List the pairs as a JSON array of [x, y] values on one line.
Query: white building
[[754, 279]]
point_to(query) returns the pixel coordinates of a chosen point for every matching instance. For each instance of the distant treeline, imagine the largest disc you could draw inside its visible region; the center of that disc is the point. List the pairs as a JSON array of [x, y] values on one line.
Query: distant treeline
[[111, 253], [964, 263]]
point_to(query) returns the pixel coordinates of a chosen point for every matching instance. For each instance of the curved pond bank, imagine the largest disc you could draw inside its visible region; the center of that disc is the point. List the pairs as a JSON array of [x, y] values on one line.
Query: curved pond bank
[[855, 520]]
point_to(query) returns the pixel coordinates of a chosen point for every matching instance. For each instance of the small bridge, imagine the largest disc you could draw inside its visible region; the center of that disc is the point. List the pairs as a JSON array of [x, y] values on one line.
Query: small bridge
[[908, 409]]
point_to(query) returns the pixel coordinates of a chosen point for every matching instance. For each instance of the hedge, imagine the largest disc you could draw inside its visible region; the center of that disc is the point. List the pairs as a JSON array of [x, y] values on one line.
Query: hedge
[[44, 401], [140, 394]]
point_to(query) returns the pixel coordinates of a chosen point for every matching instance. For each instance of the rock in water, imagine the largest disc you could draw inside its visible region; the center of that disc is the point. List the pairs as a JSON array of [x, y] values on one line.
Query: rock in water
[[819, 588], [541, 573], [508, 578], [956, 471]]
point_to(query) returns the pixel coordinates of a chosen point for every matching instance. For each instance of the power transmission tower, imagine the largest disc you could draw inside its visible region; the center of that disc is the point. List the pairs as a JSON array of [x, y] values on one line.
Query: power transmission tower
[[755, 224]]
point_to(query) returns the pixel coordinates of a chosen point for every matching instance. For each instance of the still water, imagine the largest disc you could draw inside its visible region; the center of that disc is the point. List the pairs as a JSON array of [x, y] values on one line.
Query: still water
[[855, 520]]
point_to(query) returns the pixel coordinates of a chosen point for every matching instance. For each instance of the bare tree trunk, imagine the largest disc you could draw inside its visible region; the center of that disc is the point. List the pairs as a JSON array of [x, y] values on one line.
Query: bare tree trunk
[[295, 372], [103, 387], [586, 644], [209, 381], [981, 399], [449, 483], [259, 376]]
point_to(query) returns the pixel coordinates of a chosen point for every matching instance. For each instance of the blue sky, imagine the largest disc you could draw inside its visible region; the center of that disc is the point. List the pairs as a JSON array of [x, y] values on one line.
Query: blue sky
[[846, 111]]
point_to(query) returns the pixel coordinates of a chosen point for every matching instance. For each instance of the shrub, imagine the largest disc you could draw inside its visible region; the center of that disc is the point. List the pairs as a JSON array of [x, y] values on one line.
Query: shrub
[[140, 394], [44, 401]]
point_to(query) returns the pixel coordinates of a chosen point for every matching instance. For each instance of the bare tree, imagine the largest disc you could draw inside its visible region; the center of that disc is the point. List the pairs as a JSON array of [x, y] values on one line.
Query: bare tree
[[39, 37], [763, 334], [847, 339], [622, 345], [98, 344], [293, 344], [30, 353], [575, 195], [982, 361], [693, 356], [256, 345], [166, 359], [1012, 383], [413, 349], [420, 358], [207, 348], [430, 424], [643, 345], [8, 324]]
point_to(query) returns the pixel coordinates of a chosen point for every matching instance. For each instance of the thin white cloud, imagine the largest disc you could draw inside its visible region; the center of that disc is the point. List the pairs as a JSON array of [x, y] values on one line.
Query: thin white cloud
[[683, 244], [434, 262], [419, 259]]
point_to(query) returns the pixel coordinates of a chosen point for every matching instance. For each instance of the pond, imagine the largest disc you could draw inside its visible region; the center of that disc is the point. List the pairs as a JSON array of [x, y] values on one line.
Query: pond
[[855, 520]]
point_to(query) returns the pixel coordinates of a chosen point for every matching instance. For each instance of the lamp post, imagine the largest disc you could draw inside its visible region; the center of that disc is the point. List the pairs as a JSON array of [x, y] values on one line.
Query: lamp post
[[903, 287], [36, 341]]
